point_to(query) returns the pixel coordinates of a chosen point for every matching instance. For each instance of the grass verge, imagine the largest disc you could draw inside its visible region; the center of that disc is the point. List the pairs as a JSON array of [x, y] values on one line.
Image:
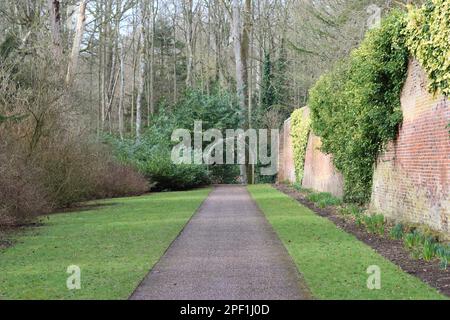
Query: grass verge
[[333, 262], [115, 246]]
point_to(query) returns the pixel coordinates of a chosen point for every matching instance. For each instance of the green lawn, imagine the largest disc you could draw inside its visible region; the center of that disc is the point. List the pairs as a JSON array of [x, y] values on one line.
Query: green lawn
[[333, 262], [114, 245]]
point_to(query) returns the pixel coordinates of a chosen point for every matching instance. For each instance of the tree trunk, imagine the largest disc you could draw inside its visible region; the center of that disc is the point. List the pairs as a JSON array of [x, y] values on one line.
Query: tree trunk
[[175, 94], [240, 79], [189, 40], [141, 81], [73, 63], [245, 47], [241, 49], [55, 23], [152, 61], [122, 88], [237, 41]]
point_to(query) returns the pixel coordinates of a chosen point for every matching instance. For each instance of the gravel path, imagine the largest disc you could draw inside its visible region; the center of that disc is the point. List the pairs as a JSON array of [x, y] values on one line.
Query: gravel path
[[228, 251]]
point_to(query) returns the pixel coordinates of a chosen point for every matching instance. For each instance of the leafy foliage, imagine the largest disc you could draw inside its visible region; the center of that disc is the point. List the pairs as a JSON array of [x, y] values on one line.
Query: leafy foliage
[[375, 224], [268, 94], [356, 107], [152, 154], [428, 34], [298, 187], [443, 253], [429, 250], [169, 176], [420, 245], [275, 92], [300, 128], [397, 232], [324, 199], [413, 239], [280, 77], [349, 210]]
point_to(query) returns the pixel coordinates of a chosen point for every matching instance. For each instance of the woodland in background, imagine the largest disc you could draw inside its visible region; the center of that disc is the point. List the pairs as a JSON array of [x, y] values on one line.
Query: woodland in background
[[85, 85]]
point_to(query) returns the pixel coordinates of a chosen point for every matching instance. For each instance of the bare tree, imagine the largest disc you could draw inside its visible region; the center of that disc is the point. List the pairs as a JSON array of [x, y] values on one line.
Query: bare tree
[[55, 23], [122, 89], [73, 62], [189, 31], [241, 47], [141, 80]]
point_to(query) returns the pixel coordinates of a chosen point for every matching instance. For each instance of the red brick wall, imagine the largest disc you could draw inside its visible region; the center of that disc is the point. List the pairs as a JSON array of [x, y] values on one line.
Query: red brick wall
[[319, 172], [411, 180], [286, 168]]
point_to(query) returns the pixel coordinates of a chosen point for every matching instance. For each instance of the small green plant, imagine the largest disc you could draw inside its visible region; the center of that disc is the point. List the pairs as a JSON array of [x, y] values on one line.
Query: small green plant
[[413, 240], [324, 199], [357, 215], [349, 209], [359, 219], [298, 187], [429, 250], [443, 253], [375, 224], [426, 246], [397, 232]]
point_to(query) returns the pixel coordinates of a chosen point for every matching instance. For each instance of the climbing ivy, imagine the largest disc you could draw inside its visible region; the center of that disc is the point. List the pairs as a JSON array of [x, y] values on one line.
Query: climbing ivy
[[428, 37], [300, 127], [355, 108], [268, 94]]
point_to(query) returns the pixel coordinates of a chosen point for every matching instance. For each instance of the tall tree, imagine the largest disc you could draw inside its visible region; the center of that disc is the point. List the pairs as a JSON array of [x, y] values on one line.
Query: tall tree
[[142, 67], [189, 31], [122, 89], [55, 23], [73, 62], [267, 86], [241, 48]]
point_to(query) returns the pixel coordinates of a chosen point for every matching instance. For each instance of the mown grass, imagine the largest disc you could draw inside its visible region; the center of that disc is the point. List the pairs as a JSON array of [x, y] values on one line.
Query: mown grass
[[333, 262], [114, 245]]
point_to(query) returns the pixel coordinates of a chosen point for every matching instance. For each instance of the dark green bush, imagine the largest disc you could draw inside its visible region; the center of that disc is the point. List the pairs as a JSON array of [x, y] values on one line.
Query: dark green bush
[[169, 176], [356, 107], [152, 154]]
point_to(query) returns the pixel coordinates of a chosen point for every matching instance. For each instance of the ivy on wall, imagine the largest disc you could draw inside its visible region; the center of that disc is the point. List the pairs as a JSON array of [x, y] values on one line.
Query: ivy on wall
[[355, 108], [300, 127], [428, 38]]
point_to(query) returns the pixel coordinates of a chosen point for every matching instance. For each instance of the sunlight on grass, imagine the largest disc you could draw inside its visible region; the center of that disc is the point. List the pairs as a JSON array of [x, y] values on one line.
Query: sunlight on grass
[[115, 246], [333, 262]]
